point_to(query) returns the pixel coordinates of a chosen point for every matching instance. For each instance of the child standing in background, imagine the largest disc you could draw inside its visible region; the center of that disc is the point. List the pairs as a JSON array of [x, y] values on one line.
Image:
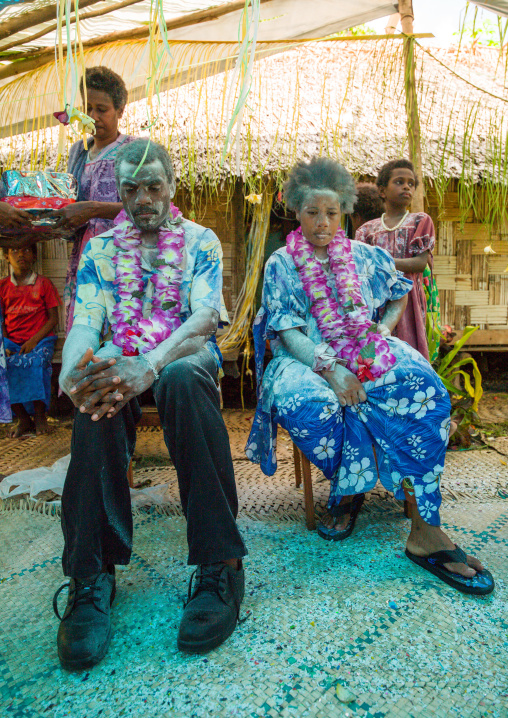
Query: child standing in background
[[368, 205], [29, 305], [409, 238]]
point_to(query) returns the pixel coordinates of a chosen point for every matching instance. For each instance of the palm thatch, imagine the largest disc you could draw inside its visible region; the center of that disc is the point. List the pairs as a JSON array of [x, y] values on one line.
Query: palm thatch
[[341, 99], [345, 100]]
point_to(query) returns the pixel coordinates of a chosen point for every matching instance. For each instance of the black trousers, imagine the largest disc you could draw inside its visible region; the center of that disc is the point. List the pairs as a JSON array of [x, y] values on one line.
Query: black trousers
[[96, 506]]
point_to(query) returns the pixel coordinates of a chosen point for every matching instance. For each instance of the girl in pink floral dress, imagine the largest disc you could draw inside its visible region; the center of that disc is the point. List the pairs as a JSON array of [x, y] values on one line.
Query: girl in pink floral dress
[[409, 238]]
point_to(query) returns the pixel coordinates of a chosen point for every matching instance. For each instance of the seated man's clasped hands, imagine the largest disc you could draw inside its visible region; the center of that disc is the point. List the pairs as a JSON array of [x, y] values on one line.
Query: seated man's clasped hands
[[359, 403], [149, 292]]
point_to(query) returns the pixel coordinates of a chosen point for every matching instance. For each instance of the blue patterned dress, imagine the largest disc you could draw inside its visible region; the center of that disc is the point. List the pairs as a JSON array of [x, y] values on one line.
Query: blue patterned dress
[[407, 413]]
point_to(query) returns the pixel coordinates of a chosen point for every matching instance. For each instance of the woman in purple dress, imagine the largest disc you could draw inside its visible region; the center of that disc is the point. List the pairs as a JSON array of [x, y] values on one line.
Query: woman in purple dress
[[98, 202]]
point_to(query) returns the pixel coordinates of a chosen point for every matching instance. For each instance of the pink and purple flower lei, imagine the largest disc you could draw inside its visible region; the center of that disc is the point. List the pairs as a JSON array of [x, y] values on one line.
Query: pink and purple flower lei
[[352, 335], [133, 333]]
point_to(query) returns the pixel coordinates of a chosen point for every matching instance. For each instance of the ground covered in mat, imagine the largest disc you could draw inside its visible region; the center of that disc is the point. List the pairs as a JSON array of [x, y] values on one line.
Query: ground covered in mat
[[478, 475], [324, 621]]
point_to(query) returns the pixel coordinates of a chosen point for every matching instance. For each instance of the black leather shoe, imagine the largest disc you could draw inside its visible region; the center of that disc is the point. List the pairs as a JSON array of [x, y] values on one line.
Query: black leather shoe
[[211, 612], [85, 629]]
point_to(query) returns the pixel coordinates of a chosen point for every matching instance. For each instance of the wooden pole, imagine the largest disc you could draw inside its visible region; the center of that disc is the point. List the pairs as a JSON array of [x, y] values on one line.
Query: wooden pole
[[391, 25], [193, 18], [52, 28], [34, 17], [36, 58], [413, 120], [29, 61]]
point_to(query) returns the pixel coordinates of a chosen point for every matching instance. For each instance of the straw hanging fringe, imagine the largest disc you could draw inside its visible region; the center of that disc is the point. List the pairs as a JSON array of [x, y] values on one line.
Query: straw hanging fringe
[[238, 335], [351, 112], [463, 127]]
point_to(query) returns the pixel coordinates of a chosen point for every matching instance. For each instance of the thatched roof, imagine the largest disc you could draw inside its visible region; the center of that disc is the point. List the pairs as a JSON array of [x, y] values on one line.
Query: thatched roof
[[342, 99]]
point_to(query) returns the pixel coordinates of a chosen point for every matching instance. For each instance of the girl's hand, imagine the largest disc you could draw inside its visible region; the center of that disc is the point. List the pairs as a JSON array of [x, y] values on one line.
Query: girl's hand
[[346, 385], [28, 346], [384, 330]]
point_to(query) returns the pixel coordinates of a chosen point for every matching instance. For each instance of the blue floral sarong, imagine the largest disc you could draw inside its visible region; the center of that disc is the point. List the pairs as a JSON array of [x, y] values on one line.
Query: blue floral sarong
[[406, 416], [29, 375]]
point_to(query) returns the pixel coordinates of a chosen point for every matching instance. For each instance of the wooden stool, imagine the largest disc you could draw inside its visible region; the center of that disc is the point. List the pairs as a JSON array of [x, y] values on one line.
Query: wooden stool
[[149, 417], [302, 468]]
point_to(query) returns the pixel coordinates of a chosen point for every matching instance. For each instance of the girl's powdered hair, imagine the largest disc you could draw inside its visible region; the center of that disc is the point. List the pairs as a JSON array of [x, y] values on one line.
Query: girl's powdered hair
[[321, 173]]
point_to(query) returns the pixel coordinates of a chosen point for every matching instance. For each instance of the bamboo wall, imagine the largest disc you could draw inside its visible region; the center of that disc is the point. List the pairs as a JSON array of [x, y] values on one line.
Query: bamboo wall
[[473, 285], [224, 215]]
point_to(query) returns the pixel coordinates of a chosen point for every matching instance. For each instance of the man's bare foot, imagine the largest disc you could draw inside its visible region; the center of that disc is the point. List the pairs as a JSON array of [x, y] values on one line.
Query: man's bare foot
[[425, 539], [22, 427]]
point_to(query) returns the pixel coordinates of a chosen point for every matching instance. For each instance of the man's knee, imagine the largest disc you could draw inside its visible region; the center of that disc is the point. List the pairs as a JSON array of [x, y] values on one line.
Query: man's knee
[[179, 375], [89, 431], [186, 380]]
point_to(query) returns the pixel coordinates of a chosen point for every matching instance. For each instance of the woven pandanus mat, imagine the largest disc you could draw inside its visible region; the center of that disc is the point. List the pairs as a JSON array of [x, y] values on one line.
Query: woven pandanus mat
[[326, 622], [469, 475], [33, 451], [475, 478]]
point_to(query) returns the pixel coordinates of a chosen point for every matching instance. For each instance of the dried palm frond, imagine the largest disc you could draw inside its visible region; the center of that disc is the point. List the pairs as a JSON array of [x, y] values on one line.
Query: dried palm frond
[[341, 99]]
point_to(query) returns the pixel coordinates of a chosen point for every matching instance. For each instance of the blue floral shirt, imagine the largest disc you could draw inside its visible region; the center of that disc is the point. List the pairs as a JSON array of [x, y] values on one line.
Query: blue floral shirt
[[201, 283]]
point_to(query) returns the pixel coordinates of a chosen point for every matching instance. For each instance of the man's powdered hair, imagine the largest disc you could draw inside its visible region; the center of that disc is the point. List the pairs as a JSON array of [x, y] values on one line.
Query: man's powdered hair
[[144, 151], [103, 79], [386, 171], [321, 173], [369, 204]]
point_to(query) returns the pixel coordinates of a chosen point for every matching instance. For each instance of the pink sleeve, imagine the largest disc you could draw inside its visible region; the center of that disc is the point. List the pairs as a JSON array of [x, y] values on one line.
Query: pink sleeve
[[363, 234], [424, 238]]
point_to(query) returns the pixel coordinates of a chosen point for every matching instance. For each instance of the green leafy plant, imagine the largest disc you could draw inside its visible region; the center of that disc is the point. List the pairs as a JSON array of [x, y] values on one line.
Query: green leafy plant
[[465, 391]]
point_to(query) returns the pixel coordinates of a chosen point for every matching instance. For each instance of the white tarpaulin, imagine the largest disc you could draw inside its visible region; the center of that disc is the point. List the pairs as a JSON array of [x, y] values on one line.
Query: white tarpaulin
[[33, 482], [280, 19], [498, 6]]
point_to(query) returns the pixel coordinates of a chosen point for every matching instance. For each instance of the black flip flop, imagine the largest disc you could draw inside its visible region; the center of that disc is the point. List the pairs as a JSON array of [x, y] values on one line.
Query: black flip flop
[[353, 509], [481, 584]]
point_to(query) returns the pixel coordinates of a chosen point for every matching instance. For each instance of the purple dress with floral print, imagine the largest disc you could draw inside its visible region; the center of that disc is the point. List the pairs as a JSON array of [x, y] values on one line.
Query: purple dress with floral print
[[415, 236], [96, 183]]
